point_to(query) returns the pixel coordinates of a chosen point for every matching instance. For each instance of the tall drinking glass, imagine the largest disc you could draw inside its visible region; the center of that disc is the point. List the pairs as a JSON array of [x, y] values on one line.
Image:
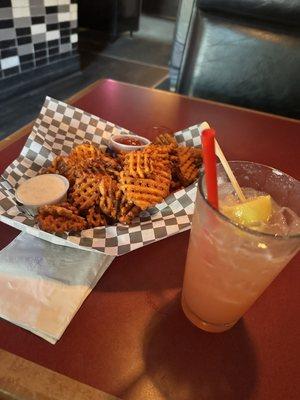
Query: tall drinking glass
[[228, 266]]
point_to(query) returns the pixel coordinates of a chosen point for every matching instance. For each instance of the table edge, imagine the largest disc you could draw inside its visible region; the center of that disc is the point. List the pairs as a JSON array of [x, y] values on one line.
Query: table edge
[[41, 382], [202, 100], [13, 137]]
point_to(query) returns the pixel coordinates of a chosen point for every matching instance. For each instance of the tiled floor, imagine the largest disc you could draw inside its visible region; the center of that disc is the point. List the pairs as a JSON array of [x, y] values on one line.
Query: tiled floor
[[142, 59]]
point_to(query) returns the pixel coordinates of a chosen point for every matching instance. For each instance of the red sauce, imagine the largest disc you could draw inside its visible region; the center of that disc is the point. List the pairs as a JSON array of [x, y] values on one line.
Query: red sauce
[[129, 141]]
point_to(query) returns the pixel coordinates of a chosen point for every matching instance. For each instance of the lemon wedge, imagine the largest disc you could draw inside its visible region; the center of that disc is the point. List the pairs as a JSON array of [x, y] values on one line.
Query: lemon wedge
[[251, 212]]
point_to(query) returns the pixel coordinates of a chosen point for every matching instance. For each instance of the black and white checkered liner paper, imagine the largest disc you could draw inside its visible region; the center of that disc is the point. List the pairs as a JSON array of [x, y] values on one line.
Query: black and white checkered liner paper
[[56, 130]]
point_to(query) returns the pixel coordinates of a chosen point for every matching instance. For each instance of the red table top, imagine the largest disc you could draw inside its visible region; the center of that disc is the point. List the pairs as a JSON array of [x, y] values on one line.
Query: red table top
[[130, 337]]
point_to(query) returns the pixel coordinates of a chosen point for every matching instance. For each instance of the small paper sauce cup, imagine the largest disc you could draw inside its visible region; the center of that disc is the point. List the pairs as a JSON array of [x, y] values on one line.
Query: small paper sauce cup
[[41, 190], [118, 147]]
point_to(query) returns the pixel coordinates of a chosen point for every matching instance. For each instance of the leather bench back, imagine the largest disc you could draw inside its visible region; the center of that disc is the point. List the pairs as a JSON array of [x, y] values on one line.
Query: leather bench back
[[246, 53], [286, 12]]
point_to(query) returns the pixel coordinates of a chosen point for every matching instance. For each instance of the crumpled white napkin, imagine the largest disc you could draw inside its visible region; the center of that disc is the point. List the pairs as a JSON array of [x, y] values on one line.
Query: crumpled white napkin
[[42, 285]]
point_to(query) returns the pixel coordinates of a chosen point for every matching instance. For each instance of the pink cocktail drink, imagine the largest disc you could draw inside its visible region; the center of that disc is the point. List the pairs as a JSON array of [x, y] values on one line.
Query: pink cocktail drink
[[228, 266]]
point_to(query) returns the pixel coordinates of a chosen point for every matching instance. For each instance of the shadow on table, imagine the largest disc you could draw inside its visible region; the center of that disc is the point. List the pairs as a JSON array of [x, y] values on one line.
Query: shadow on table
[[184, 362]]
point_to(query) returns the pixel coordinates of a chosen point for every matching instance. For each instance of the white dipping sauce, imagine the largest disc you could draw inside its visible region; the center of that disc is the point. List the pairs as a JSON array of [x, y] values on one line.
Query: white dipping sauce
[[42, 189]]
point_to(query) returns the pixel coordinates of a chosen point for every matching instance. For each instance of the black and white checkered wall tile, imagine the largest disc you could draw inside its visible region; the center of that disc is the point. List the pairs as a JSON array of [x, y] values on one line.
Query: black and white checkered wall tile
[[34, 33]]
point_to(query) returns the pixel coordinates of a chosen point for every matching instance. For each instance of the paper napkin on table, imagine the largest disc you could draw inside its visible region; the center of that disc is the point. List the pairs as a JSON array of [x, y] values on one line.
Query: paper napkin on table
[[42, 285]]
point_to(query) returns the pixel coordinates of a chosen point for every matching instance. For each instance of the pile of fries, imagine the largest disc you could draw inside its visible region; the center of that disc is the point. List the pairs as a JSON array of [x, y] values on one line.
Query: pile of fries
[[108, 188]]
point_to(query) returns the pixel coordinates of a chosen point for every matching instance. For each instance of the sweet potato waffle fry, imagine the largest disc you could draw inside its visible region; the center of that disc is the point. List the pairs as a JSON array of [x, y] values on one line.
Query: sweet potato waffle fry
[[106, 189], [127, 211], [146, 176], [109, 196], [165, 138], [187, 169], [144, 193], [60, 218], [85, 192], [95, 218], [85, 151], [139, 164]]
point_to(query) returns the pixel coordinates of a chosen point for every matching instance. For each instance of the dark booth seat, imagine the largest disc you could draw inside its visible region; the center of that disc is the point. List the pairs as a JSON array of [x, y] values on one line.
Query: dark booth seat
[[286, 12], [245, 52]]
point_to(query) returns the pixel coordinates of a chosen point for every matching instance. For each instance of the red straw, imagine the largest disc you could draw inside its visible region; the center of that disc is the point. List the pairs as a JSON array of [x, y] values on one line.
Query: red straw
[[210, 160]]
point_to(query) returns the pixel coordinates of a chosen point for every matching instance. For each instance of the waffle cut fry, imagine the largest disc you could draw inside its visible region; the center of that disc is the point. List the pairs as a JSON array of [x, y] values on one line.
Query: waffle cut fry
[[139, 164], [60, 218], [165, 139], [84, 151], [143, 193], [161, 152], [146, 180], [187, 168], [127, 211], [85, 192], [109, 195], [95, 218], [113, 202]]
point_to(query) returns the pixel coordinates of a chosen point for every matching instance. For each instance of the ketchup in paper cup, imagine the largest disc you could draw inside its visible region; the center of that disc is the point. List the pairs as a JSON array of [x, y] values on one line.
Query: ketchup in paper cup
[[127, 143]]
